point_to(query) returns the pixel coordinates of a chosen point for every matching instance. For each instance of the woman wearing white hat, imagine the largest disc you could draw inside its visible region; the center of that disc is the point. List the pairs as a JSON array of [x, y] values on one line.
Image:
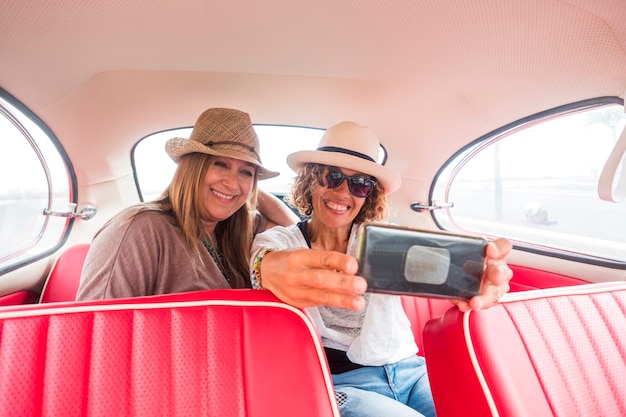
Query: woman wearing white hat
[[369, 344], [197, 234]]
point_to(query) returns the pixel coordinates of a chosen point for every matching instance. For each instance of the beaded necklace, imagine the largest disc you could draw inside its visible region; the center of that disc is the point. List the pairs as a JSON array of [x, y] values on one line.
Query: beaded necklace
[[218, 258]]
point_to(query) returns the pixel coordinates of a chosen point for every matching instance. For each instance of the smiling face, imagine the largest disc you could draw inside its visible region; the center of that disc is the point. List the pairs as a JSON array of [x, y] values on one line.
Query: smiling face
[[336, 207], [228, 184]]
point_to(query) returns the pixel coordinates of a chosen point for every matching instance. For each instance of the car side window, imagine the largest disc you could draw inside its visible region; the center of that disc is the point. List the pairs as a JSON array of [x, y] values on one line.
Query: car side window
[[536, 183], [35, 177]]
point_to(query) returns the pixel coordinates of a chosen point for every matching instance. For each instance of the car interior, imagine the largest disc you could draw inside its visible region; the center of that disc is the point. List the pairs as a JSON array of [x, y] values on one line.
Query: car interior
[[503, 118]]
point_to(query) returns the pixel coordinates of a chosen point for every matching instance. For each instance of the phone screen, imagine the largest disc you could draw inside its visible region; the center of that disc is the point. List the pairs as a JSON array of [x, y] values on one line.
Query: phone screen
[[416, 262]]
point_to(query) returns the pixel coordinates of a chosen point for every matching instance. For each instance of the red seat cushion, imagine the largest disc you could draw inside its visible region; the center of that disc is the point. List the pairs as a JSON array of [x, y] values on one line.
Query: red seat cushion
[[64, 278], [556, 352], [209, 353]]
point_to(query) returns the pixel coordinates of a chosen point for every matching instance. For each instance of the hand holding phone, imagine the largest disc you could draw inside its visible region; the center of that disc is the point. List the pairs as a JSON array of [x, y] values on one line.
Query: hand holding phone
[[400, 260]]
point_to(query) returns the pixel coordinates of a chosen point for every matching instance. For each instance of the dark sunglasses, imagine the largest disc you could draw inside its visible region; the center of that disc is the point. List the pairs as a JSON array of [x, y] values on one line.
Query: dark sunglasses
[[358, 185]]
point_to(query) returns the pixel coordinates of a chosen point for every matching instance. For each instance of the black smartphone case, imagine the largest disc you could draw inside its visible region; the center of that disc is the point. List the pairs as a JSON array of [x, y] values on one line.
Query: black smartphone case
[[400, 260]]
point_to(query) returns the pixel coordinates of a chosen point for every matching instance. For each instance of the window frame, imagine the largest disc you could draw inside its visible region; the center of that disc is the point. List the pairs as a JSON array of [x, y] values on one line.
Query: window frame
[[491, 137], [8, 265]]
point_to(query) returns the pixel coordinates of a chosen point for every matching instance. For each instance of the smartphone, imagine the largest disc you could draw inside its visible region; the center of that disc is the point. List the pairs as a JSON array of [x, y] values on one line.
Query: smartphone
[[400, 260]]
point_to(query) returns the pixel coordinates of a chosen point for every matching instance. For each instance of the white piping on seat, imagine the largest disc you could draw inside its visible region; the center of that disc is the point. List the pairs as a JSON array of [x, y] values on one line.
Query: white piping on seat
[[590, 288], [479, 372]]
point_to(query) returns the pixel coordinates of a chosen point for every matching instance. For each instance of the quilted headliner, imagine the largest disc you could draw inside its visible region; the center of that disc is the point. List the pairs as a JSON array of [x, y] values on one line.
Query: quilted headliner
[[51, 51]]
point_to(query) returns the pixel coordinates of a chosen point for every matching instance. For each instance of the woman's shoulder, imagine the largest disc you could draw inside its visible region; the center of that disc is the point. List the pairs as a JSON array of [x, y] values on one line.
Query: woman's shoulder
[[281, 230], [278, 238], [140, 216], [278, 234]]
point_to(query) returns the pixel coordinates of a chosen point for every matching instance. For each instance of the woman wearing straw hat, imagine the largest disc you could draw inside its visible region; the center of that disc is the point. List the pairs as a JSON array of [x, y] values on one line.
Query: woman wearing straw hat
[[197, 234], [369, 344]]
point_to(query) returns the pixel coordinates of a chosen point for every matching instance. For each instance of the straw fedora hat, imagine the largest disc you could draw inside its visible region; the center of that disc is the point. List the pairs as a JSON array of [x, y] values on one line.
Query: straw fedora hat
[[351, 146], [222, 132]]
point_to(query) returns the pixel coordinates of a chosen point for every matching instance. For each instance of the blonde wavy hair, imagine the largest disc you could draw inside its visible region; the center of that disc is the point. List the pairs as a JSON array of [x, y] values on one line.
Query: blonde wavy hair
[[375, 208]]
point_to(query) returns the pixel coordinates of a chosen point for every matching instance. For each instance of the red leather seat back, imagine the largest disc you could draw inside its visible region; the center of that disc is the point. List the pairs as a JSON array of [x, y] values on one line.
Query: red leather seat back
[[556, 352], [209, 353], [421, 309], [64, 278]]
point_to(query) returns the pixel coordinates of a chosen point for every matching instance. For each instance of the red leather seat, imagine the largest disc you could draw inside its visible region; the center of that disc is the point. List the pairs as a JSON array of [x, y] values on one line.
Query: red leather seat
[[556, 352], [421, 309], [210, 353], [64, 279]]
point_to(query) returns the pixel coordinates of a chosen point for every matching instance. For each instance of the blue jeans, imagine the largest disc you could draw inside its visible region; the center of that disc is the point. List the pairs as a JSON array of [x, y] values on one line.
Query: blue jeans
[[400, 390]]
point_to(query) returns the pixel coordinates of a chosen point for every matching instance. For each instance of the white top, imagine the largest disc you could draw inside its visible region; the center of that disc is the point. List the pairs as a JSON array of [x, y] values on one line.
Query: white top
[[380, 334]]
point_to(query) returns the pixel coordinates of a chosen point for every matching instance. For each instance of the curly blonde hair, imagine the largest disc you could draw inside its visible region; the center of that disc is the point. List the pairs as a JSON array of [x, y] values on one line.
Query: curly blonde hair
[[375, 208]]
